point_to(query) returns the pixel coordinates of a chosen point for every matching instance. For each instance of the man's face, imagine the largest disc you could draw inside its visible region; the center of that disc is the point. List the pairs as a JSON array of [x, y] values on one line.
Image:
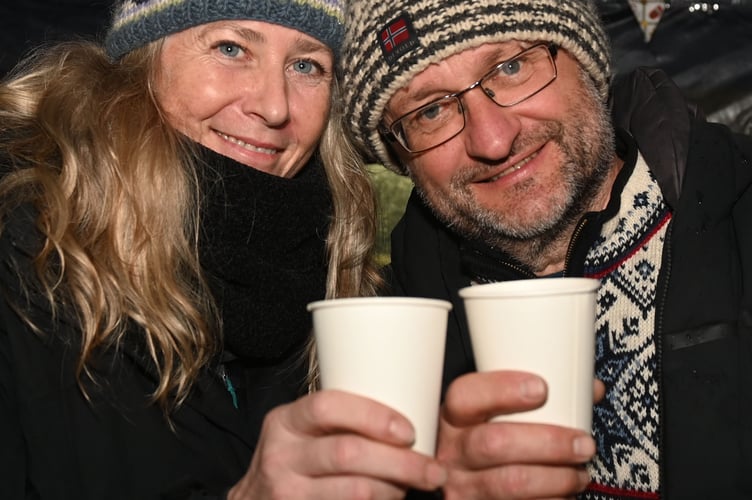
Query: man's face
[[516, 173]]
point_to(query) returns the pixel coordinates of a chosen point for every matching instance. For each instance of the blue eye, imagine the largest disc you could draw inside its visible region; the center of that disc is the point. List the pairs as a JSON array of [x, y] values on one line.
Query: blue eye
[[229, 49], [511, 67], [430, 112], [304, 67], [436, 111]]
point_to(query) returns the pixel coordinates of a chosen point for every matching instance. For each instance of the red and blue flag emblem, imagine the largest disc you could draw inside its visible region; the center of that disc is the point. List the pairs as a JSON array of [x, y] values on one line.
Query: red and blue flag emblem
[[397, 38]]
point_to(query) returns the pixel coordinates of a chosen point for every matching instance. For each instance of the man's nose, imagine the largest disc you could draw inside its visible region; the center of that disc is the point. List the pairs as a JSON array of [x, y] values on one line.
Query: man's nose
[[490, 129]]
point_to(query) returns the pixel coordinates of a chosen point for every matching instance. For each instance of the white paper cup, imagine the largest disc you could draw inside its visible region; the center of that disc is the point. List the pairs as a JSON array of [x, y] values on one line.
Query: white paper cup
[[545, 326], [390, 349]]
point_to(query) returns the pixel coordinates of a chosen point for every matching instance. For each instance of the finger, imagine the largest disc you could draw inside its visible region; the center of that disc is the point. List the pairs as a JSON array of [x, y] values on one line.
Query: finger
[[500, 443], [352, 487], [324, 488], [349, 454], [517, 482], [328, 412], [476, 397], [599, 390]]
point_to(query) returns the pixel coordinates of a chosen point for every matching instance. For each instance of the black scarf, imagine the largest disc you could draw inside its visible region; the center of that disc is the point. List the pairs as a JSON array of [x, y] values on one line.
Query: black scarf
[[263, 248]]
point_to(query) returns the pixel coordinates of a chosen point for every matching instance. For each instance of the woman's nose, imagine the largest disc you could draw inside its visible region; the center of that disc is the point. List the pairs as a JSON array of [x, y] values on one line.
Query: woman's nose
[[269, 99]]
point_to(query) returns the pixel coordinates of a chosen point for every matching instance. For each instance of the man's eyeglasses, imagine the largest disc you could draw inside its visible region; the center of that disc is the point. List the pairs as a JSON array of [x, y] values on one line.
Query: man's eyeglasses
[[510, 82]]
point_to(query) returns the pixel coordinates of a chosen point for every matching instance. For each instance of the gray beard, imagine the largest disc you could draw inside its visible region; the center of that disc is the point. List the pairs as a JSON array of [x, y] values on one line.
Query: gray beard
[[534, 249]]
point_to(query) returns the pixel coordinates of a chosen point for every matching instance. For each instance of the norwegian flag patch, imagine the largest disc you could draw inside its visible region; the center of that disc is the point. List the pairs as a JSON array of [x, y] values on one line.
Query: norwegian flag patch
[[397, 38]]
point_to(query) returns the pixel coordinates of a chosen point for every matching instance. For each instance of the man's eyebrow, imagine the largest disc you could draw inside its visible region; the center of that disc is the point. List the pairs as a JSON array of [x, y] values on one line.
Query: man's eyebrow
[[486, 63], [503, 54], [416, 95]]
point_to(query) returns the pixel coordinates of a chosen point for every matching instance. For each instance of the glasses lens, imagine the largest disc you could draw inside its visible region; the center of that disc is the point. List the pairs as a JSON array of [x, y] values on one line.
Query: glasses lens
[[430, 125], [513, 81]]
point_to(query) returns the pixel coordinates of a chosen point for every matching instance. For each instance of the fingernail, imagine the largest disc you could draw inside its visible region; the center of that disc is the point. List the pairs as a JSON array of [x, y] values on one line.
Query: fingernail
[[533, 388], [402, 430], [584, 447], [436, 475]]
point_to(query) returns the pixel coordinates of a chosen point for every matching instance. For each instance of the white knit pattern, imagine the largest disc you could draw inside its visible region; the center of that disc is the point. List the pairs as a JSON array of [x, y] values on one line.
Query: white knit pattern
[[627, 258]]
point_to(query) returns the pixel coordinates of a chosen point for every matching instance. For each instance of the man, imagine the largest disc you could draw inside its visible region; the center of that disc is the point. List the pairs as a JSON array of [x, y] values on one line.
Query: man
[[497, 110]]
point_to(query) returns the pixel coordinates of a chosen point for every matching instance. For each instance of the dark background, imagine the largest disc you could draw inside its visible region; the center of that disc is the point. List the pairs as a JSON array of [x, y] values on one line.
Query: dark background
[[24, 24], [707, 52]]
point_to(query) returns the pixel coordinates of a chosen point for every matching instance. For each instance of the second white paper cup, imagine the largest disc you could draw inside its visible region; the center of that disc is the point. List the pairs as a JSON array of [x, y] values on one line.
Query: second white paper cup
[[390, 349], [545, 326]]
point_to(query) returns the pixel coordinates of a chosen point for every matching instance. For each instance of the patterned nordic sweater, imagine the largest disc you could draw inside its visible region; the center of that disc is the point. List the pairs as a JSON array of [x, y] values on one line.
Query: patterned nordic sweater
[[627, 259]]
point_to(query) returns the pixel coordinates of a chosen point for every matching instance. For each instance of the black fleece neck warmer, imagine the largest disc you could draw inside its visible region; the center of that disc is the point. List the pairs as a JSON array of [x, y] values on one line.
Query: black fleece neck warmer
[[263, 249]]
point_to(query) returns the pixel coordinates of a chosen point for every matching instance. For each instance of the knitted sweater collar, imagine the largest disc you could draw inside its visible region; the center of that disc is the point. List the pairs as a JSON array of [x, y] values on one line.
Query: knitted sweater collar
[[263, 248]]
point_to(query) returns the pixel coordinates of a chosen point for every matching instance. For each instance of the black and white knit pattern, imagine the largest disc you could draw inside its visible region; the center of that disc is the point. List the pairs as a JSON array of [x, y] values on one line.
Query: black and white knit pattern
[[627, 259]]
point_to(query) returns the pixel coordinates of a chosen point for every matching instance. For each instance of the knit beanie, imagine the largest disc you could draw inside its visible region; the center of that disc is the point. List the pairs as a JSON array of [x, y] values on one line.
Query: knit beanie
[[387, 43], [137, 22]]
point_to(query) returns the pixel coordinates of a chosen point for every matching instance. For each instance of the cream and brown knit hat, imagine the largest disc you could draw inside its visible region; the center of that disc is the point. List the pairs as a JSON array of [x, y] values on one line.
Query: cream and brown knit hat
[[388, 42]]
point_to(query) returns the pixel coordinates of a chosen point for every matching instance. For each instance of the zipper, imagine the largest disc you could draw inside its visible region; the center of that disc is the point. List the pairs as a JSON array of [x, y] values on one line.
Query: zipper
[[480, 276], [228, 385], [519, 270], [573, 242], [659, 312]]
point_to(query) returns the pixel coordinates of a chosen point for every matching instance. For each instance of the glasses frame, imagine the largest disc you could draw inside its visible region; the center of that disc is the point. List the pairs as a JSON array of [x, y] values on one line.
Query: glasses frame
[[392, 131]]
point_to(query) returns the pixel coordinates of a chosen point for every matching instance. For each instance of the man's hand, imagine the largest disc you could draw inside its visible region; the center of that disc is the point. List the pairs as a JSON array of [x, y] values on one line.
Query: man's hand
[[504, 460]]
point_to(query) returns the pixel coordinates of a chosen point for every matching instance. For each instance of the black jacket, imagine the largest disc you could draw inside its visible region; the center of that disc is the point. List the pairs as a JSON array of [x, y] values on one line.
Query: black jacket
[[54, 444], [704, 313]]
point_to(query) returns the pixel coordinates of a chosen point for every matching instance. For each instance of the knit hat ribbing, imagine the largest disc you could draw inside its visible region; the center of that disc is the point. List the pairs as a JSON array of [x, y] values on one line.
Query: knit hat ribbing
[[388, 43], [138, 22]]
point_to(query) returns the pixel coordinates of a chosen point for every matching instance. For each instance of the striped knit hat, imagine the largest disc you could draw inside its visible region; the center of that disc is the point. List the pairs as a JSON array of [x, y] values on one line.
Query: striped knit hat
[[138, 22], [387, 43]]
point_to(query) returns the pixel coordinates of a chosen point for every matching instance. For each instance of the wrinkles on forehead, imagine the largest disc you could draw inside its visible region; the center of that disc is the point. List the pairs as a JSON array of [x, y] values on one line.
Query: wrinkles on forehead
[[305, 43]]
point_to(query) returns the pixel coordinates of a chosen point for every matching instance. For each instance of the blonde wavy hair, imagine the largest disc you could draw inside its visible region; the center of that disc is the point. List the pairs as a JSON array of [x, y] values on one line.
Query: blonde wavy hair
[[116, 197]]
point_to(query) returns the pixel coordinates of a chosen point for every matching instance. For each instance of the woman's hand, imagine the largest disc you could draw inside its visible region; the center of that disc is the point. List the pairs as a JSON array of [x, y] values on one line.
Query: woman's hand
[[332, 444]]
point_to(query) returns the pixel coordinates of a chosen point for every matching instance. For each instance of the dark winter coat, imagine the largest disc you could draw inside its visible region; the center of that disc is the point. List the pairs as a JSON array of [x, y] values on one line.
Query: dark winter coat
[[118, 445], [109, 440], [57, 445]]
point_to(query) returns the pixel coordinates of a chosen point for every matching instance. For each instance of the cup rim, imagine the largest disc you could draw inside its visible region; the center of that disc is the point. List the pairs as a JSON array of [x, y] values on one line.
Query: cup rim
[[379, 301], [530, 287]]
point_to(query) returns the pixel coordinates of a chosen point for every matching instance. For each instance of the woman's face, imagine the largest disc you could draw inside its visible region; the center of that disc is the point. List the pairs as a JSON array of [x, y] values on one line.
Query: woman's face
[[256, 92]]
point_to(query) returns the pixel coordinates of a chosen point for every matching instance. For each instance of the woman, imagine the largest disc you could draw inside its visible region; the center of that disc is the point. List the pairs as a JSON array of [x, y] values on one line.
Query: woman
[[169, 205]]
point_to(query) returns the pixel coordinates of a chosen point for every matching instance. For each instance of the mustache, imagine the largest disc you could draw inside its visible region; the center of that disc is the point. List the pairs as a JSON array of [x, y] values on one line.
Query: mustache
[[549, 131]]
